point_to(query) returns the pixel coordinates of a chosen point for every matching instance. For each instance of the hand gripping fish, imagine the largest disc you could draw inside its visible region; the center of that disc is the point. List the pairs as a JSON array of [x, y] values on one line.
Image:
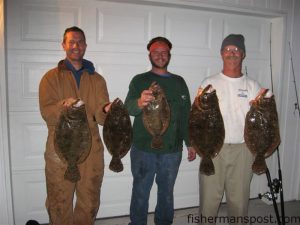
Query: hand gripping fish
[[206, 128], [72, 139], [156, 116], [117, 134], [262, 129]]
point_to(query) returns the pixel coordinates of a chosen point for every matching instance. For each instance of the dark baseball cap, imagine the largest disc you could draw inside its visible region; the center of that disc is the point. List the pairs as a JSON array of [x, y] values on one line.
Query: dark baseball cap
[[237, 40]]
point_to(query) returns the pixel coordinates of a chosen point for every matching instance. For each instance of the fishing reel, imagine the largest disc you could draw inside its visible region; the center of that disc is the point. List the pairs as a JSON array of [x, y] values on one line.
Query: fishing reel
[[274, 190]]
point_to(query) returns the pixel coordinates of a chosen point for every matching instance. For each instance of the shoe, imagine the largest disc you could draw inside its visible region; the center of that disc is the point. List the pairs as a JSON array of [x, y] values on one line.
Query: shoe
[[32, 222]]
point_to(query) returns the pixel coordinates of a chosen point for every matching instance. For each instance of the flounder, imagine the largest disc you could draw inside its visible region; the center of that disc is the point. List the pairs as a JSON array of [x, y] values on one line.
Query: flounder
[[117, 134], [72, 139], [206, 128], [156, 116], [262, 129]]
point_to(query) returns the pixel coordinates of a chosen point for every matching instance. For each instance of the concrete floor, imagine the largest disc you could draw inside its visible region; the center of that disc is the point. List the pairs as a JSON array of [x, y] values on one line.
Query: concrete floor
[[259, 213]]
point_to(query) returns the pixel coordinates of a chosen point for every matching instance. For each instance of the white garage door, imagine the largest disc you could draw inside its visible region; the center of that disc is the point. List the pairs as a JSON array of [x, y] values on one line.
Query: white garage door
[[117, 35]]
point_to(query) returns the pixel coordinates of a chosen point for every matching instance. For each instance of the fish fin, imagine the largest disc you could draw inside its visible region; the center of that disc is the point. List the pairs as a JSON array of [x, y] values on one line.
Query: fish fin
[[116, 164], [157, 142], [259, 165], [206, 166], [72, 173]]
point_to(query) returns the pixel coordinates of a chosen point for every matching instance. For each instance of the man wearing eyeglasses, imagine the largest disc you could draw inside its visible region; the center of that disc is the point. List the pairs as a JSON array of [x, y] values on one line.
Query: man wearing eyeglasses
[[233, 171]]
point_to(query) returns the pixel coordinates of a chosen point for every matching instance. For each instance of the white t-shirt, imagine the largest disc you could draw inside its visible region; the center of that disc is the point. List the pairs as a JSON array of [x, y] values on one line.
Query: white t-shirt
[[234, 95]]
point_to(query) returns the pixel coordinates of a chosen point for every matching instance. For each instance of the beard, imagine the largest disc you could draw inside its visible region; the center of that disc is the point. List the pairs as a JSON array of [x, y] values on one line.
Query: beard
[[164, 66]]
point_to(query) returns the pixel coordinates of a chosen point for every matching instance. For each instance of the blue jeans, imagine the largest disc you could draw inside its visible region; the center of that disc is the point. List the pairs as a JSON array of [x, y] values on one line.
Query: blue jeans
[[144, 167]]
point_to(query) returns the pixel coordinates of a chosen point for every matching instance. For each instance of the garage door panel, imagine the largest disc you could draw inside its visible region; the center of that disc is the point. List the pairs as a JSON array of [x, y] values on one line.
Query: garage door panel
[[256, 33], [47, 23], [119, 27], [186, 190], [191, 32], [115, 195], [29, 192], [118, 77], [40, 25], [28, 140], [194, 69], [25, 70]]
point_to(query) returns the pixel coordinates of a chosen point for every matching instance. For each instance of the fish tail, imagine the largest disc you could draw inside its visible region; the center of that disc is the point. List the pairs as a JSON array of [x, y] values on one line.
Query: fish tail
[[72, 173], [116, 164], [259, 165], [157, 142], [206, 166]]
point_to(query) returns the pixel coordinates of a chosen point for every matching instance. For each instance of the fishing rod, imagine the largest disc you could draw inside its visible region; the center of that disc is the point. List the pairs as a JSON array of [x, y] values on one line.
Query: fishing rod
[[295, 85], [275, 185]]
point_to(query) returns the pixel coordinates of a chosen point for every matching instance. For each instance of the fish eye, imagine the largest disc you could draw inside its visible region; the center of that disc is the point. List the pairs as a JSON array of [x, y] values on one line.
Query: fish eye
[[204, 97]]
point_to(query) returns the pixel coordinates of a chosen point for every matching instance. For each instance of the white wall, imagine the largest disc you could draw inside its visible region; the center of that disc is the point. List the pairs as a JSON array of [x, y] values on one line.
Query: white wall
[[6, 213]]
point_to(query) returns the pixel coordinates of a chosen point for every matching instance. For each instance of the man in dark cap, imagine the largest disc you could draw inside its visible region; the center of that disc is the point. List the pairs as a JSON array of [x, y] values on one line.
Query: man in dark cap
[[233, 171], [147, 162], [237, 40]]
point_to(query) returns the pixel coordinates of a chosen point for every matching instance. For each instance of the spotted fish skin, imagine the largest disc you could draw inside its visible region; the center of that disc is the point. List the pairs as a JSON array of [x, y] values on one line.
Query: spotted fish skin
[[261, 131], [72, 139], [117, 134], [156, 116], [206, 128]]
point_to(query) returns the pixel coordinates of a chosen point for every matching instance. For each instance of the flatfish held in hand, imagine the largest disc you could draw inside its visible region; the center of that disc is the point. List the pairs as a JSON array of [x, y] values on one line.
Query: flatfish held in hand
[[156, 116], [117, 134], [72, 139], [206, 128], [262, 130]]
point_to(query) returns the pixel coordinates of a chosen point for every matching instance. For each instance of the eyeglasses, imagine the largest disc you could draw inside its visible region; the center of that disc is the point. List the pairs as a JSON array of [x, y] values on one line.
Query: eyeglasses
[[229, 50]]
